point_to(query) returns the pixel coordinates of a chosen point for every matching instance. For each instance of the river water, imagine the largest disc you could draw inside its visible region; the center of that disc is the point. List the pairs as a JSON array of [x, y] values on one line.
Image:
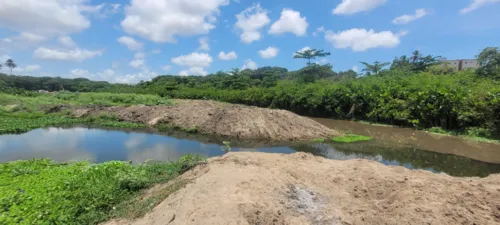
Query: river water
[[101, 145]]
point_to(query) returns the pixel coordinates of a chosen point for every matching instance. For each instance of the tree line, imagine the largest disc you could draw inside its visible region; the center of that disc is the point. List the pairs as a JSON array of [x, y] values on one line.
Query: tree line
[[415, 90]]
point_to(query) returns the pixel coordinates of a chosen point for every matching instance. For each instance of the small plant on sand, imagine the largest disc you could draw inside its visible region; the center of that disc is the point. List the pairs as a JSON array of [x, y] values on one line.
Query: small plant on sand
[[227, 146], [318, 140], [350, 138]]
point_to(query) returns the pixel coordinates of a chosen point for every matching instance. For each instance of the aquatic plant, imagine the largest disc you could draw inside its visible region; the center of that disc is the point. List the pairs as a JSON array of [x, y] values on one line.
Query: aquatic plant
[[350, 138], [41, 191], [227, 146]]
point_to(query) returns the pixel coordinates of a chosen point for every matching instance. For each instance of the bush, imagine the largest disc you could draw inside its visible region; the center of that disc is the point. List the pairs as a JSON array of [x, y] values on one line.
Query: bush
[[45, 192]]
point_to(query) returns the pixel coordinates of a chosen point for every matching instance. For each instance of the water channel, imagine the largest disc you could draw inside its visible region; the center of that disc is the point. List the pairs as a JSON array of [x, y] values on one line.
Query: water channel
[[392, 146]]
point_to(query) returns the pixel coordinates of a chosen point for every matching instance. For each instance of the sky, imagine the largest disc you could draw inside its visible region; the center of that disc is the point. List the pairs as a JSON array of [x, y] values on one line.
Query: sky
[[126, 41]]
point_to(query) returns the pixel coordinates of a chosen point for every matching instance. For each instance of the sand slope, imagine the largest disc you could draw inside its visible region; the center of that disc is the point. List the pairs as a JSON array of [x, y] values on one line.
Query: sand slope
[[260, 188], [238, 121]]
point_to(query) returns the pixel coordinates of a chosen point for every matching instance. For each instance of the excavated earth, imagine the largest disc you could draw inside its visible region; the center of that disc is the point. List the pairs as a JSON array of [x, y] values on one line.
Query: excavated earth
[[260, 188], [210, 117]]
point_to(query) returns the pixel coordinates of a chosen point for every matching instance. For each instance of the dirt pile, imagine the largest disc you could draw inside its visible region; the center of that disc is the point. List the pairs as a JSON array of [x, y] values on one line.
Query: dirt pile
[[260, 188], [242, 122]]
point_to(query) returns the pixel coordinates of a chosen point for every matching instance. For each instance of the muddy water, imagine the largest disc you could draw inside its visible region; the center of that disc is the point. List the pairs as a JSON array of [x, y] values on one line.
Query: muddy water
[[482, 151], [101, 145]]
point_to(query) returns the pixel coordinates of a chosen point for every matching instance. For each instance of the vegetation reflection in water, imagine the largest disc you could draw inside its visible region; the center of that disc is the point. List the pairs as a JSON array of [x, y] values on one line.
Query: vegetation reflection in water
[[99, 145]]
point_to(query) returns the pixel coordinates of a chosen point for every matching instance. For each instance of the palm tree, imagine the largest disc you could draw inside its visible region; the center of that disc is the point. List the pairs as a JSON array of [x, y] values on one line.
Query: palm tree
[[10, 63], [374, 68], [310, 54], [416, 56]]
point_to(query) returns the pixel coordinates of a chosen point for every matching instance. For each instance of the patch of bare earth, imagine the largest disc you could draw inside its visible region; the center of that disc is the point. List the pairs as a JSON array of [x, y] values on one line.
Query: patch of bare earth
[[260, 188], [238, 121]]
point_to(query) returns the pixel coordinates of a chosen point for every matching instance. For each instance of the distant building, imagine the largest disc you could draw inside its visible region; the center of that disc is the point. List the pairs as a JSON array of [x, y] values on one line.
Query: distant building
[[462, 64]]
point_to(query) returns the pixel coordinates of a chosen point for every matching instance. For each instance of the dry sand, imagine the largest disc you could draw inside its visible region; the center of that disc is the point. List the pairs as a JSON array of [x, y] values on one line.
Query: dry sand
[[259, 188], [210, 117]]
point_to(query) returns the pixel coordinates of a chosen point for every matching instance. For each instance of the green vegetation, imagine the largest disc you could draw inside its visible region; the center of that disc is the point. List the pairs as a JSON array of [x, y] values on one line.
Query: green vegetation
[[318, 140], [19, 114], [45, 192], [350, 138], [416, 91]]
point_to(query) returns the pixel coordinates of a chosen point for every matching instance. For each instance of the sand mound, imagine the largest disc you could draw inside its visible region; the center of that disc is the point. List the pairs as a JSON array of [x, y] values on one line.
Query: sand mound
[[242, 122], [260, 188]]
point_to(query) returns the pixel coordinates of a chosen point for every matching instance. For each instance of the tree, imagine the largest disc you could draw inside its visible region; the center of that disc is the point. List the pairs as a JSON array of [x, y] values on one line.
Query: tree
[[489, 62], [416, 63], [310, 54], [374, 68], [0, 66], [10, 63], [235, 71]]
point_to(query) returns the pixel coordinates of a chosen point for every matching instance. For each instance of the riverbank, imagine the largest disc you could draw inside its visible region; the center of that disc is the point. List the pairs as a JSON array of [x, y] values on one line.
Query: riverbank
[[41, 191], [260, 188], [221, 119], [20, 114]]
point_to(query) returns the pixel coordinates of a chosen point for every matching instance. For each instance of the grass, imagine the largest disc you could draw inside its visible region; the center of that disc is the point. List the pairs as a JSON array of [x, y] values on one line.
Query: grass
[[41, 191], [350, 138], [105, 99], [318, 140], [474, 134], [20, 114]]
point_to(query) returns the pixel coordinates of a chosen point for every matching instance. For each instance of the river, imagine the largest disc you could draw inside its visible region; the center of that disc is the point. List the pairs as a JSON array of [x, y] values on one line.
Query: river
[[392, 146]]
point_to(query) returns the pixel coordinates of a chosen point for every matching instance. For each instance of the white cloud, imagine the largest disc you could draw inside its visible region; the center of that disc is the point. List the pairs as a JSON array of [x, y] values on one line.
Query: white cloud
[[360, 40], [318, 31], [302, 50], [156, 51], [196, 63], [290, 21], [269, 53], [45, 18], [348, 7], [204, 44], [30, 38], [228, 56], [103, 10], [4, 58], [77, 54], [250, 22], [195, 59], [115, 65], [476, 4], [110, 75], [66, 41], [139, 55], [131, 43], [249, 64], [193, 71], [163, 20], [166, 68], [138, 61], [404, 19], [134, 78], [27, 69], [355, 69], [79, 73]]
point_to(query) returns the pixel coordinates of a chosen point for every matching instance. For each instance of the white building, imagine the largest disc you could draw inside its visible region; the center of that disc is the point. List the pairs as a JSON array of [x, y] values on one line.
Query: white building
[[462, 64]]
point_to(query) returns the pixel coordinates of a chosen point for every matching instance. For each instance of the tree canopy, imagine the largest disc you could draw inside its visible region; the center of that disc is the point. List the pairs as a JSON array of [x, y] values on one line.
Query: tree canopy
[[374, 68], [310, 54]]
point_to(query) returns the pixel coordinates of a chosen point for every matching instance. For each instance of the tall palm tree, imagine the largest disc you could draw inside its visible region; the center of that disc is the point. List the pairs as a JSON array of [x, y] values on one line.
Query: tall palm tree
[[416, 56], [374, 68], [10, 63]]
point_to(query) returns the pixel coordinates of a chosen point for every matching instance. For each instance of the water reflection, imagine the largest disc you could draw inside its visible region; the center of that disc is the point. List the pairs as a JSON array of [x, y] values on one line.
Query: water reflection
[[99, 145]]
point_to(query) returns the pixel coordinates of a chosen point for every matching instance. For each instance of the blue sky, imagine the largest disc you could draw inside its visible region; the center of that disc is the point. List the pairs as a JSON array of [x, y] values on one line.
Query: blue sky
[[131, 40]]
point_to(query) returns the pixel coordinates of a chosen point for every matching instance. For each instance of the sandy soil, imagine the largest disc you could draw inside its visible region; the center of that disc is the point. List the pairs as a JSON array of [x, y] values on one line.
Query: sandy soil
[[260, 188], [242, 122]]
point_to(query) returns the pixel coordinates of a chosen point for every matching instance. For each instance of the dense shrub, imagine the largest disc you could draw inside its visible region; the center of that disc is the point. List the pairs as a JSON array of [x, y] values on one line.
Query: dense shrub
[[454, 101], [45, 192]]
